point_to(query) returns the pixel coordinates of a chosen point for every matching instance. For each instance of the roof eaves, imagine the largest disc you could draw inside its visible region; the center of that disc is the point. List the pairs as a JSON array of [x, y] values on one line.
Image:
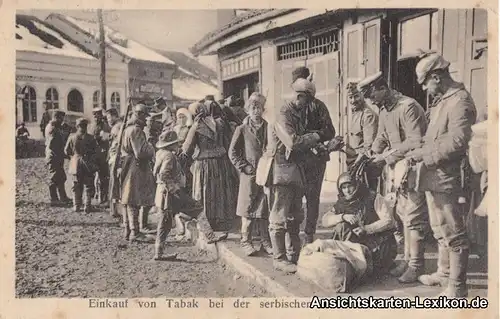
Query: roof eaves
[[236, 25]]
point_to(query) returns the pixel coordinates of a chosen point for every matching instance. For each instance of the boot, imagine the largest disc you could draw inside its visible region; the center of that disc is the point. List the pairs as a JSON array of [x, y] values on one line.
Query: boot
[[399, 269], [308, 239], [212, 238], [143, 221], [457, 283], [266, 247], [54, 199], [277, 237], [104, 192], [440, 277], [136, 236], [159, 253], [284, 266], [416, 262], [248, 248], [62, 194], [88, 202], [292, 241]]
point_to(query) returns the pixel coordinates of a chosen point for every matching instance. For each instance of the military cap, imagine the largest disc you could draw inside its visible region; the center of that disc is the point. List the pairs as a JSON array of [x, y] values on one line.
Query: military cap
[[141, 108], [111, 110], [352, 88], [365, 85], [82, 122], [97, 110], [166, 139], [300, 73], [59, 113], [429, 62]]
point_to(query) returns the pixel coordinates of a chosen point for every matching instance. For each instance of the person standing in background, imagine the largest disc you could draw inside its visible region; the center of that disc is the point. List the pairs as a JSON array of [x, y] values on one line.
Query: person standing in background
[[116, 124], [100, 130], [45, 118]]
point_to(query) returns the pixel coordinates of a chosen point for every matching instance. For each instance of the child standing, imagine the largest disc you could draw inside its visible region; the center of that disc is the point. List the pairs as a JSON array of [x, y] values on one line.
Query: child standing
[[81, 148], [247, 147], [171, 198]]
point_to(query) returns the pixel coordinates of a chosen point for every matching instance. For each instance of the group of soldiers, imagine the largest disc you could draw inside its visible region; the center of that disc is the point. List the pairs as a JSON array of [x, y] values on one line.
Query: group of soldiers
[[434, 144]]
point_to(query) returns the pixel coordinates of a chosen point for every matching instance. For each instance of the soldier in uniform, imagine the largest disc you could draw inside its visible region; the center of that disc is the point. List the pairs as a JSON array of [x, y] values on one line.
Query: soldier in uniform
[[45, 119], [54, 155], [444, 148], [100, 130], [81, 148], [364, 123], [116, 124], [318, 120], [138, 183], [402, 124]]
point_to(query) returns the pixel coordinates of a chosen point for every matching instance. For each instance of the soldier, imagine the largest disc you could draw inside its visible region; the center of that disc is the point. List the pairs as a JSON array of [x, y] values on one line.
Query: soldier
[[318, 120], [54, 155], [288, 142], [364, 123], [81, 148], [402, 124], [116, 124], [444, 148], [100, 130], [45, 118], [151, 130], [138, 183]]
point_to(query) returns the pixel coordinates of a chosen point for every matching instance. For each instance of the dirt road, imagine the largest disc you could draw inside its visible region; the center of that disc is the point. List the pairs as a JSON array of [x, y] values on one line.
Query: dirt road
[[60, 253]]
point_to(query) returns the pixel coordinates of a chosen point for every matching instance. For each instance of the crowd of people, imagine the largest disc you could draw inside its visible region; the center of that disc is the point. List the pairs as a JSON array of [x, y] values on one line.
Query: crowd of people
[[210, 163]]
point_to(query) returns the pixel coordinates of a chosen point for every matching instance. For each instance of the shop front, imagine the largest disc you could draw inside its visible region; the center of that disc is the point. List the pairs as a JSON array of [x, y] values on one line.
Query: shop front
[[241, 75]]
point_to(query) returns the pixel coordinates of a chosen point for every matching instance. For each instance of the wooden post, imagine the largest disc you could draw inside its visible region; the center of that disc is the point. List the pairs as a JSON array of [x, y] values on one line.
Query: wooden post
[[102, 57]]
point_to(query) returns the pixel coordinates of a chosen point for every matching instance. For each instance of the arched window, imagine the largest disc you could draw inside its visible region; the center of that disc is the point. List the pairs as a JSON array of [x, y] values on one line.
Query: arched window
[[52, 99], [75, 101], [115, 100], [96, 99], [29, 105]]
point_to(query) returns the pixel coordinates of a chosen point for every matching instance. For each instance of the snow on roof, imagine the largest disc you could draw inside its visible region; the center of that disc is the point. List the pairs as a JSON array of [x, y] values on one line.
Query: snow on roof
[[132, 49], [33, 43], [192, 89]]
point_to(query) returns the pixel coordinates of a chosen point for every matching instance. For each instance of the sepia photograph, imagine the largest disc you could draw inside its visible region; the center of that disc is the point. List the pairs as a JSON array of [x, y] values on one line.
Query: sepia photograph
[[252, 153]]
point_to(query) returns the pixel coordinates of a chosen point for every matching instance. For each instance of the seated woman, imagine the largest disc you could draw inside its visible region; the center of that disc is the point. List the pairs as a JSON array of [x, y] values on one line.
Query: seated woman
[[354, 218]]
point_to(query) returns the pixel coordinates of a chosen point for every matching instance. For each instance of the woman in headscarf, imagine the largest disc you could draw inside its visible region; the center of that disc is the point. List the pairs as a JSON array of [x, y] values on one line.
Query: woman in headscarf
[[214, 180], [184, 122], [355, 219]]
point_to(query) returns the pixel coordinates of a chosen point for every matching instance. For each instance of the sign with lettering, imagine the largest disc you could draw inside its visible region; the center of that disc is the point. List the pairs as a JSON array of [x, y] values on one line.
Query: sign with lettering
[[151, 88]]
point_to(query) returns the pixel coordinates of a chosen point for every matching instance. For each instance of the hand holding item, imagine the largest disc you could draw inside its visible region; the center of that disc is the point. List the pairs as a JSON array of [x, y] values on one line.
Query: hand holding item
[[351, 219], [249, 170], [336, 144], [416, 155], [359, 231]]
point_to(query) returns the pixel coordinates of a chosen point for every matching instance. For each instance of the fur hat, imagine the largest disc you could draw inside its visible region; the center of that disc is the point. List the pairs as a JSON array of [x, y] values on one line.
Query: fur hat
[[304, 86]]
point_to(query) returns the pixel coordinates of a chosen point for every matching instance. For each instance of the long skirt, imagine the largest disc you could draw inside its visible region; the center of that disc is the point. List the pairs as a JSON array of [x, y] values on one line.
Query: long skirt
[[216, 187], [382, 246]]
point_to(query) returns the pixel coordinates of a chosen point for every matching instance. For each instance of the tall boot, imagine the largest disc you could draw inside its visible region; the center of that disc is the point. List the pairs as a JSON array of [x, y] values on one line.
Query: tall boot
[[293, 242], [143, 220], [54, 199], [62, 193], [416, 262], [440, 277], [77, 197], [104, 190], [265, 241], [457, 283], [246, 237], [280, 263], [88, 200]]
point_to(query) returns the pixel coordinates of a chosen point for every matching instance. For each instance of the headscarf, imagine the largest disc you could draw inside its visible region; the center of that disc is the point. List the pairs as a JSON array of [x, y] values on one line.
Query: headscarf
[[304, 86], [359, 199], [187, 114]]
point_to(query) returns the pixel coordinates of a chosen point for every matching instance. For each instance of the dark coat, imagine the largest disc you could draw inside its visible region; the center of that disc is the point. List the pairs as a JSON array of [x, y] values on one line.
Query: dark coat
[[138, 183], [82, 151], [247, 147]]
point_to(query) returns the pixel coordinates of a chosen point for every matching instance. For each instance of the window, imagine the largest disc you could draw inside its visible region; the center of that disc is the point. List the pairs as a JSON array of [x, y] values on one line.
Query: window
[[144, 72], [75, 101], [319, 44], [52, 99], [96, 99], [162, 75], [115, 100], [29, 105], [417, 33]]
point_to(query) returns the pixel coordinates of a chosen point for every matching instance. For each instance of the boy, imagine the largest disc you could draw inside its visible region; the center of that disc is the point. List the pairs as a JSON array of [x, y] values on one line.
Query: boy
[[247, 146], [81, 148], [170, 197]]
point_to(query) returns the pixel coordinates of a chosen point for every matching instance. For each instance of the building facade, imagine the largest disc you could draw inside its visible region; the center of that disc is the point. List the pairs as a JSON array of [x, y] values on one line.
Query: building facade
[[51, 71], [149, 74], [258, 51]]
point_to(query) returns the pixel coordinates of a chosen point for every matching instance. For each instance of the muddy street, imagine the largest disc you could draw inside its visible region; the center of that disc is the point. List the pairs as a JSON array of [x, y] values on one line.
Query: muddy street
[[60, 253]]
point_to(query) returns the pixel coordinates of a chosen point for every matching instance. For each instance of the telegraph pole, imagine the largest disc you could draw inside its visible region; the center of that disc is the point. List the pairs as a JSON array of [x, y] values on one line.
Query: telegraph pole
[[102, 57]]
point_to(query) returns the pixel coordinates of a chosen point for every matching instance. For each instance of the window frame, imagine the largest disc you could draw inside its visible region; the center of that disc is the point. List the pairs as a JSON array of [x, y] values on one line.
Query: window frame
[[52, 98], [82, 102], [30, 103], [432, 45]]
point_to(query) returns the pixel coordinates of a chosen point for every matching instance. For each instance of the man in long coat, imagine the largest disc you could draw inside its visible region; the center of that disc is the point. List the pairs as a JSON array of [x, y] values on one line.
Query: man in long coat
[[54, 156], [45, 118], [318, 121], [116, 124], [138, 183], [288, 142], [402, 124], [444, 148], [100, 130]]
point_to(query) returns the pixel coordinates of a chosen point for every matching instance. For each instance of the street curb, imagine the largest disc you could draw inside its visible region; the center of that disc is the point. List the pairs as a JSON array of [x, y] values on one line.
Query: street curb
[[227, 257]]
